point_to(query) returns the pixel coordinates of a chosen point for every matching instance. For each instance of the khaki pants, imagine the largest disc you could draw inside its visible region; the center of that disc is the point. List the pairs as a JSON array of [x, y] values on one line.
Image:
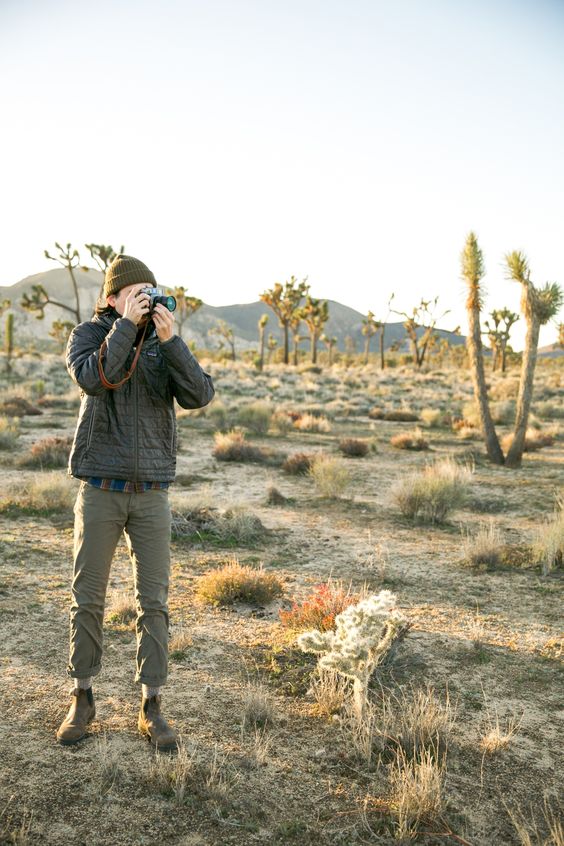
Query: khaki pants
[[100, 518]]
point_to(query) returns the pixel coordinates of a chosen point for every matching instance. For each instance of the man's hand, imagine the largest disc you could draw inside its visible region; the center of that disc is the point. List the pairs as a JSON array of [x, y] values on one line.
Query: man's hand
[[164, 322], [136, 307]]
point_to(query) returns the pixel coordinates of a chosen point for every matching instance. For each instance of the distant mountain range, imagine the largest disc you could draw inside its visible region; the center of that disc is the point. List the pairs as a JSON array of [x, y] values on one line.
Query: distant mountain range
[[344, 322]]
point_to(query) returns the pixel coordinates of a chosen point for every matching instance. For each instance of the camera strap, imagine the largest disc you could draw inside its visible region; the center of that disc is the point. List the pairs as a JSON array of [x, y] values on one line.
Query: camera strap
[[113, 385]]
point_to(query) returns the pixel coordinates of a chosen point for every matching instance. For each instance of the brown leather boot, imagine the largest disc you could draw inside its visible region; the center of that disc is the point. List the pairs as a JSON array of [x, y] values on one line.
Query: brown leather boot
[[155, 727], [82, 711]]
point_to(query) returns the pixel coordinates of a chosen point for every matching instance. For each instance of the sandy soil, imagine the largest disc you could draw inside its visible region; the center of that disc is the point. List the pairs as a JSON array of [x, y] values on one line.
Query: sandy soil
[[309, 788]]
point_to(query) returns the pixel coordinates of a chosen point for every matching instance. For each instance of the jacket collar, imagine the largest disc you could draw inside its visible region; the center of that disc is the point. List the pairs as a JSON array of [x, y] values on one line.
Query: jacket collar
[[108, 318]]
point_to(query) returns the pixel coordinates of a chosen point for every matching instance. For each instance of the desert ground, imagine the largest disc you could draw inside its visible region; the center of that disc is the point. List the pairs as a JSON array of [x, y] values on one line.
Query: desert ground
[[266, 757]]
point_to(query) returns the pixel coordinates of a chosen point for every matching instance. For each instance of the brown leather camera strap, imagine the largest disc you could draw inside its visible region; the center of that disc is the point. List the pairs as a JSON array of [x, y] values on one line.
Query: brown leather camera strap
[[113, 385]]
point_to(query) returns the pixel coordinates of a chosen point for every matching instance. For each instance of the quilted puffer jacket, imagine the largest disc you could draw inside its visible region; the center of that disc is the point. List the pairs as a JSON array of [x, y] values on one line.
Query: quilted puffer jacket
[[130, 432]]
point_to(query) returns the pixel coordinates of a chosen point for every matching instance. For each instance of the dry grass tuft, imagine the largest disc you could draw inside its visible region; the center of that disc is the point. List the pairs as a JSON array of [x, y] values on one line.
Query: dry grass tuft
[[235, 582], [258, 707], [46, 493], [108, 762], [433, 493], [496, 736], [548, 544], [421, 721], [9, 432], [122, 609], [330, 475], [256, 417], [528, 832], [190, 774], [274, 497], [432, 417], [329, 689], [416, 796], [179, 644], [485, 548], [312, 423]]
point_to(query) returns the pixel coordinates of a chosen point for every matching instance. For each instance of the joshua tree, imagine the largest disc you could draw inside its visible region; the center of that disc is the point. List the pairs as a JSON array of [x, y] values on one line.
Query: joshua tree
[[284, 300], [60, 331], [294, 327], [103, 255], [39, 299], [315, 314], [329, 342], [225, 335], [9, 340], [472, 265], [263, 320], [424, 316], [271, 345], [539, 305], [185, 306], [369, 328], [499, 335], [560, 341], [382, 361]]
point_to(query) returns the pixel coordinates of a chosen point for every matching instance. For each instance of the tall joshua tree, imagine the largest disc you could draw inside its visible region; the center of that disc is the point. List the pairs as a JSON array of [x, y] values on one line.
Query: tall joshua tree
[[185, 306], [473, 270], [284, 300], [330, 342], [539, 305], [103, 255], [263, 320], [423, 317], [40, 298], [315, 314], [369, 328]]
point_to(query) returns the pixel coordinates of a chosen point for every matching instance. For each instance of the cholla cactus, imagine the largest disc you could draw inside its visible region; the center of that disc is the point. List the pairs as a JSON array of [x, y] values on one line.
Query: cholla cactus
[[364, 633]]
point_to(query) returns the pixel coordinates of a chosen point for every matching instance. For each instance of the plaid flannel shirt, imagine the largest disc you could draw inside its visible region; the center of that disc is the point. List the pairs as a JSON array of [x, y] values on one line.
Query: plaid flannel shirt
[[123, 485]]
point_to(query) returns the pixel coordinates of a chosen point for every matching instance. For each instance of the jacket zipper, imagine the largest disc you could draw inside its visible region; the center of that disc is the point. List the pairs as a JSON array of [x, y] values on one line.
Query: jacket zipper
[[135, 434], [90, 427]]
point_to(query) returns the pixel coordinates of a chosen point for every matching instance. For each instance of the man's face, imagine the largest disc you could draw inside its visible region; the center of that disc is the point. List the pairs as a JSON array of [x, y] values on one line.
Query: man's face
[[118, 300]]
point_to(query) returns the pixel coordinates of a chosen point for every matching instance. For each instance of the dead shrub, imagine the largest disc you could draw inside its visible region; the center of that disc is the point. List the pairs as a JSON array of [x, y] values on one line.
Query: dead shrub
[[258, 707], [274, 497], [47, 453], [298, 464], [232, 446], [235, 524], [410, 440], [401, 415], [376, 413], [235, 582], [18, 407], [354, 447]]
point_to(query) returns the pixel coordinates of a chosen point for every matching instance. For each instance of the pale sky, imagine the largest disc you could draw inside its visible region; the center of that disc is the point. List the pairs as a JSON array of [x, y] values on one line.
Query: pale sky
[[232, 143]]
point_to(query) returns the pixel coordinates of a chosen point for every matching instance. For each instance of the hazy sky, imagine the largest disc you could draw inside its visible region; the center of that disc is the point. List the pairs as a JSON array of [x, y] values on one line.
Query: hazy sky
[[232, 143]]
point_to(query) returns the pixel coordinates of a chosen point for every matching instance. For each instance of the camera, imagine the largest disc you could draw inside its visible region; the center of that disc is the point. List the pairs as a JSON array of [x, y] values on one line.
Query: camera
[[155, 296]]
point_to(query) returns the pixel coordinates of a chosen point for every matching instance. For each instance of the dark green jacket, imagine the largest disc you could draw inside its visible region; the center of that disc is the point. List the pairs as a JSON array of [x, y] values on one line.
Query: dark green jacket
[[130, 432]]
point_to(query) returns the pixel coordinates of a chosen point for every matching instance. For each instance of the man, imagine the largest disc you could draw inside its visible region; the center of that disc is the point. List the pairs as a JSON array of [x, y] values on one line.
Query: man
[[130, 367]]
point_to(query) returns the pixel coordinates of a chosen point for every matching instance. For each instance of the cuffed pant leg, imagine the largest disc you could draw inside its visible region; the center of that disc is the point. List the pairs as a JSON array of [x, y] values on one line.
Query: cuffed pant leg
[[148, 537], [98, 523]]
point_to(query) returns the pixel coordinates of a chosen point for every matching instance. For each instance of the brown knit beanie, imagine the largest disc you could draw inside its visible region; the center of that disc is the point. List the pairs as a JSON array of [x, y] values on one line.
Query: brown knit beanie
[[126, 270]]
